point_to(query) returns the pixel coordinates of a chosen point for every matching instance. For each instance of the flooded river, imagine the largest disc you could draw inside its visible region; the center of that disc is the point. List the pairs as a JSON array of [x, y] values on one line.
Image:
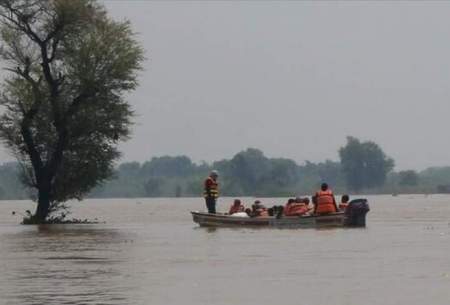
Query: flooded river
[[149, 251]]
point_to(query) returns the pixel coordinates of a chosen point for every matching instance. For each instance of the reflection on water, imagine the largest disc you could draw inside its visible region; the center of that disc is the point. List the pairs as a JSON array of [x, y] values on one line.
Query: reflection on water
[[152, 253]]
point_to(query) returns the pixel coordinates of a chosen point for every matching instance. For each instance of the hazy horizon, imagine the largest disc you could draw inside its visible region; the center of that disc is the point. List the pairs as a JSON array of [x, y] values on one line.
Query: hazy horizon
[[291, 78]]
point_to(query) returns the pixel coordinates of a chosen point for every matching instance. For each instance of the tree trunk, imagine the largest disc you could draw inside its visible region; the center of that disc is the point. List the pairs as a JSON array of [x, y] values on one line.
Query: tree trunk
[[43, 206]]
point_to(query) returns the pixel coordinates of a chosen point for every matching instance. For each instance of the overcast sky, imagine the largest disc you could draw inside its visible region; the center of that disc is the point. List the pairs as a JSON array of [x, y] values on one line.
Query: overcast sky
[[292, 78]]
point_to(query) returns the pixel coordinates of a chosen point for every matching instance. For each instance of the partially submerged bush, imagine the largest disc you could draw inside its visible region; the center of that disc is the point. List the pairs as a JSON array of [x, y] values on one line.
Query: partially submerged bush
[[30, 219]]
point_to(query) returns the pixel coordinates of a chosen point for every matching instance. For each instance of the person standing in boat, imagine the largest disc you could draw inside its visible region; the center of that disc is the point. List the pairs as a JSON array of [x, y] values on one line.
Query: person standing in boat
[[211, 191], [324, 201]]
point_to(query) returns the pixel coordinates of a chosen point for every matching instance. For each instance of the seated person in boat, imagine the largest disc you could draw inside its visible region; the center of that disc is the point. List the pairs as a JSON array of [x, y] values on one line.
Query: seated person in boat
[[236, 207], [296, 207], [306, 202], [344, 202], [259, 210], [276, 210], [324, 200], [287, 207]]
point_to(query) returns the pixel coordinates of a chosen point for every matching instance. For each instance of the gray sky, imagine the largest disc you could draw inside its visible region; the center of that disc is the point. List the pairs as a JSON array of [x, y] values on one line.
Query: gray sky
[[292, 78]]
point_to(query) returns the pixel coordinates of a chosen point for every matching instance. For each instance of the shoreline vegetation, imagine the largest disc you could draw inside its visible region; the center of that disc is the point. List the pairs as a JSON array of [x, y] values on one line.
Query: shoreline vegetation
[[66, 111], [248, 173]]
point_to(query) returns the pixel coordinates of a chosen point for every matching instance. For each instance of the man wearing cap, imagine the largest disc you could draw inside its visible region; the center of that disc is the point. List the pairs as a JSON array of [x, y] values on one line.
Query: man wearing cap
[[211, 191]]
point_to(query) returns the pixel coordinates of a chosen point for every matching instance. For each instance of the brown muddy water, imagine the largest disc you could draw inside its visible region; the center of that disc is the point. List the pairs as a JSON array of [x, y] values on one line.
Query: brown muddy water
[[150, 252]]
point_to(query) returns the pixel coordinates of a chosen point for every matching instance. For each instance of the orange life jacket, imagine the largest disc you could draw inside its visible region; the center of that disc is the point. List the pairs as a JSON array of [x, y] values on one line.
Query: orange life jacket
[[211, 188], [236, 209], [325, 202], [295, 209]]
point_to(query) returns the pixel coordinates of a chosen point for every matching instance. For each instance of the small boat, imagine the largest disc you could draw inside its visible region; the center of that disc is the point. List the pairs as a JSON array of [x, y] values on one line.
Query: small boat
[[353, 216]]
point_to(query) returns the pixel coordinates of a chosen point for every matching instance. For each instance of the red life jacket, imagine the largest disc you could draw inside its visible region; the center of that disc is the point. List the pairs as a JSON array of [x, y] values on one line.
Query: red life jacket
[[325, 202], [211, 188]]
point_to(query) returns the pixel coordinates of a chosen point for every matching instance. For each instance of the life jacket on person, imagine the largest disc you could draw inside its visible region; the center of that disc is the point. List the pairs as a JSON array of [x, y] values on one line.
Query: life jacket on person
[[343, 205], [211, 188], [325, 202], [236, 209], [344, 202], [259, 210], [295, 209], [263, 212]]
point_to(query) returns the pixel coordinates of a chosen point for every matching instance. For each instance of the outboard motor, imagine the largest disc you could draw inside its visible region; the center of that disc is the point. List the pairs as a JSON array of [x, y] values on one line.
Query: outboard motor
[[355, 213]]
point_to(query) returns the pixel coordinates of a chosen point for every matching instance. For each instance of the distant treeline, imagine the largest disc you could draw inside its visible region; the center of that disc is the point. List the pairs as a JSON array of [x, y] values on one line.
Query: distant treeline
[[248, 173]]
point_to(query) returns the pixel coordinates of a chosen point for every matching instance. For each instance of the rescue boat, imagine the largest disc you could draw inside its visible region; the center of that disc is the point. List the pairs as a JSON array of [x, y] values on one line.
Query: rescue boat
[[353, 216]]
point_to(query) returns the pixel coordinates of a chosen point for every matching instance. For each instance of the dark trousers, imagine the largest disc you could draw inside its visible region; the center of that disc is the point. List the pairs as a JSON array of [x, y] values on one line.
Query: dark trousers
[[211, 204]]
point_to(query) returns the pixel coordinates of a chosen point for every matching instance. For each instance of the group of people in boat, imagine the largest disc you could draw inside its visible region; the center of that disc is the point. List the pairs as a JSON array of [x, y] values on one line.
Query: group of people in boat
[[323, 202], [257, 209]]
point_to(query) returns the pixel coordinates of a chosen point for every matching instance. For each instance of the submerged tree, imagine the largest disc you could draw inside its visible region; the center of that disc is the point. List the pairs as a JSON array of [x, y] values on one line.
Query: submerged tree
[[364, 164], [64, 112]]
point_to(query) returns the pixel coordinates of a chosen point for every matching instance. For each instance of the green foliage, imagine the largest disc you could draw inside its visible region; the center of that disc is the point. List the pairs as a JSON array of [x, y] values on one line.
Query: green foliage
[[169, 167], [248, 173], [153, 187], [251, 173], [436, 175], [408, 178], [245, 170], [178, 176], [69, 67], [436, 179], [364, 164]]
